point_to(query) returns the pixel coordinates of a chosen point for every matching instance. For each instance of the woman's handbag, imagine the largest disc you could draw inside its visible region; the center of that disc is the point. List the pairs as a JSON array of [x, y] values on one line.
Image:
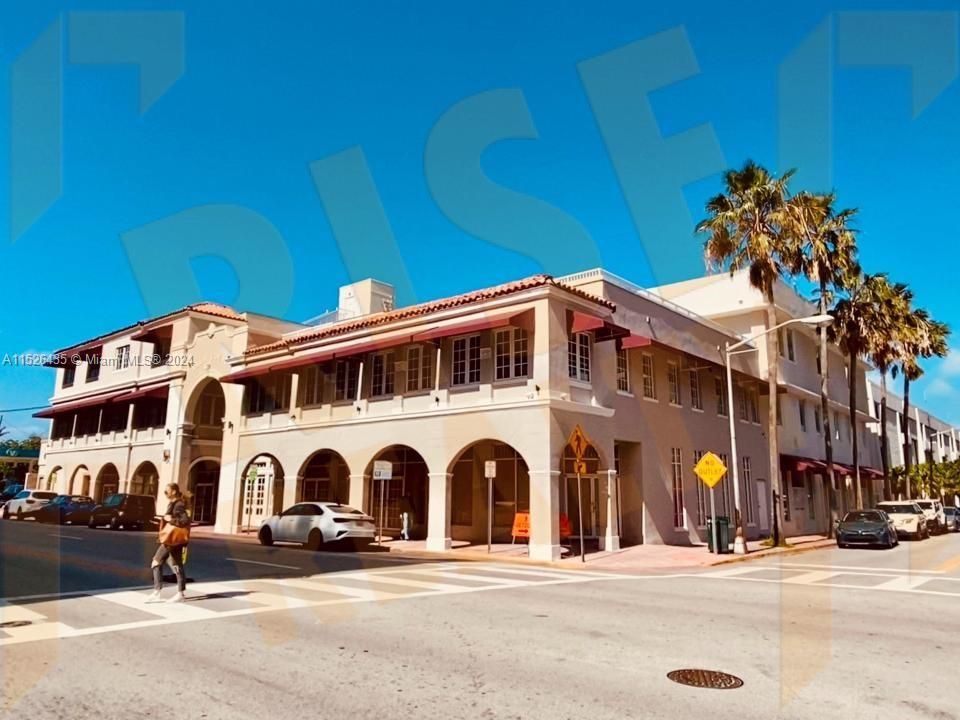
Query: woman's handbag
[[171, 535]]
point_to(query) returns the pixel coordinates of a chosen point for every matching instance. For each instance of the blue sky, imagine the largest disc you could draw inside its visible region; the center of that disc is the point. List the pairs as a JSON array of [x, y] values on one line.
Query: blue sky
[[273, 94]]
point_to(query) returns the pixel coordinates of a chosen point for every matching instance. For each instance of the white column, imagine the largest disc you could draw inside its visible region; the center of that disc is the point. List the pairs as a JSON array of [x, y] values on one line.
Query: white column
[[439, 512], [290, 490], [358, 496], [611, 533], [545, 515]]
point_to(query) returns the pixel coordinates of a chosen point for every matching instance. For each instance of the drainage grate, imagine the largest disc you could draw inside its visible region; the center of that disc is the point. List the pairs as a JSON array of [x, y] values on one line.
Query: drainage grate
[[14, 624], [713, 679]]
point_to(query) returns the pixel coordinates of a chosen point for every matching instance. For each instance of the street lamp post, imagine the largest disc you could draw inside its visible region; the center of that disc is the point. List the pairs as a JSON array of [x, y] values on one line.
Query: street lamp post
[[739, 541]]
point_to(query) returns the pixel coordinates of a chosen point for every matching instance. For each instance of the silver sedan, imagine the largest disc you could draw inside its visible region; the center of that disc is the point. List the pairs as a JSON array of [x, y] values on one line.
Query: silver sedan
[[315, 523]]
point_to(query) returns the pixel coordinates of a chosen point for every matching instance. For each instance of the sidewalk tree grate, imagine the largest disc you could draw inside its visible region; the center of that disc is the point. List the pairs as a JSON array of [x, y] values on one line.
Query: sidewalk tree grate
[[15, 624], [713, 679]]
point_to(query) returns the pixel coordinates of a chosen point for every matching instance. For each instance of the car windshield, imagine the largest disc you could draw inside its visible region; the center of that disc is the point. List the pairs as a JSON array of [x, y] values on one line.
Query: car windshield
[[343, 509], [113, 500], [901, 509], [863, 516], [21, 495], [81, 499], [45, 495]]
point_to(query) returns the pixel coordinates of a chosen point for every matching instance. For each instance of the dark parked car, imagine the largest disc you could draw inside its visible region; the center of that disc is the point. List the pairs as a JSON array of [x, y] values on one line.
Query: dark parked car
[[953, 518], [866, 527], [125, 511], [9, 493], [73, 509]]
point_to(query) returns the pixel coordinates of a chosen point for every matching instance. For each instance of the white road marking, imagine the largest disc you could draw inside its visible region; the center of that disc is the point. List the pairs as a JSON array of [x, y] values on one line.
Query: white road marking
[[388, 579], [809, 578], [257, 562], [65, 537], [843, 568], [18, 613], [330, 587]]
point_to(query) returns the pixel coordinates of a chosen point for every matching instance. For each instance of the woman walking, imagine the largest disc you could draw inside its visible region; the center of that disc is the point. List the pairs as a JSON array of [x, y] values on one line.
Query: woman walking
[[174, 536]]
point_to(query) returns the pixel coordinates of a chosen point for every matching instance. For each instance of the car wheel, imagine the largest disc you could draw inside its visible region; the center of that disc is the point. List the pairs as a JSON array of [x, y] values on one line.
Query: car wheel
[[265, 536], [6, 514], [91, 523], [314, 539], [841, 545], [115, 523], [20, 514]]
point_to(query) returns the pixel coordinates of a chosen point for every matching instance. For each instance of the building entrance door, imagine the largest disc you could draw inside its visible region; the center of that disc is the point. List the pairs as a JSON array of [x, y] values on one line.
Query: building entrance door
[[763, 501], [590, 497], [204, 504]]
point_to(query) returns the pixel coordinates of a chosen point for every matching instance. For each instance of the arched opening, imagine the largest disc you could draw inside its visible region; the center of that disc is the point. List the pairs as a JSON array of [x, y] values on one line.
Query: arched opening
[[471, 491], [585, 500], [108, 483], [324, 477], [406, 488], [206, 411], [52, 478], [80, 481], [204, 486], [145, 480], [261, 491]]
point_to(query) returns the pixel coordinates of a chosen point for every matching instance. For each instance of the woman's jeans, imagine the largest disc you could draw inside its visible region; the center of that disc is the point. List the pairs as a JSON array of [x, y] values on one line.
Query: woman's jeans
[[173, 555]]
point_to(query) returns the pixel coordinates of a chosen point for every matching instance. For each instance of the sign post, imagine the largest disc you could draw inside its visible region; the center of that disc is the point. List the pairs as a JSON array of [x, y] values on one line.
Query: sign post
[[579, 443], [490, 472], [382, 471], [710, 469]]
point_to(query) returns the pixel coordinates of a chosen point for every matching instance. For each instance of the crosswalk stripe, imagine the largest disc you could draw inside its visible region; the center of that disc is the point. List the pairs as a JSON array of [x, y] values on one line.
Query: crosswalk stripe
[[333, 588], [461, 575], [169, 611], [389, 579], [809, 578]]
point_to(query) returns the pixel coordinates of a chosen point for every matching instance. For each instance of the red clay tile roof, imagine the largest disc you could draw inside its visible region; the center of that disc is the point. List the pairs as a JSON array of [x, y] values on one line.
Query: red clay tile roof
[[385, 318], [206, 308]]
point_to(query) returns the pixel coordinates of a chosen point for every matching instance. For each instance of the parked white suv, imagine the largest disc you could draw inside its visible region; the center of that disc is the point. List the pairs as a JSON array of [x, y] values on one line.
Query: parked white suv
[[936, 518], [26, 501]]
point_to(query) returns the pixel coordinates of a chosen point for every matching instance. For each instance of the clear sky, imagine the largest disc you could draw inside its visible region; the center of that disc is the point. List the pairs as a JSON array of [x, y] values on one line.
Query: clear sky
[[266, 153]]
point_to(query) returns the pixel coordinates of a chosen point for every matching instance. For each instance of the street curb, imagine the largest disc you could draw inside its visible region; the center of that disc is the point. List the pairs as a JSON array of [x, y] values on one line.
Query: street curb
[[771, 552]]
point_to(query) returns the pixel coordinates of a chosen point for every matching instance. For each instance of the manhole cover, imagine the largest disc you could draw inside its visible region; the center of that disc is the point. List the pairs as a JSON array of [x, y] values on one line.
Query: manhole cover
[[14, 624], [706, 679]]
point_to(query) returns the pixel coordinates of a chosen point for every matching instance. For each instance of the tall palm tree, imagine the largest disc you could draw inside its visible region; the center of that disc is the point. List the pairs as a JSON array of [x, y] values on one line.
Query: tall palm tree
[[921, 337], [825, 253], [747, 227], [860, 318]]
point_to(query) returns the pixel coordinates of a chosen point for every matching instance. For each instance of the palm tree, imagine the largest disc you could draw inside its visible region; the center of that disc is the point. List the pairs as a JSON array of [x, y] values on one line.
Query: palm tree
[[825, 254], [747, 227], [860, 319], [921, 337]]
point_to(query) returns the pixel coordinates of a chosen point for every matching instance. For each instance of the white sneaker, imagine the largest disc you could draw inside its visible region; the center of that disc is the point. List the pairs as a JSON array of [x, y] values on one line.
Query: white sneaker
[[154, 597], [178, 598]]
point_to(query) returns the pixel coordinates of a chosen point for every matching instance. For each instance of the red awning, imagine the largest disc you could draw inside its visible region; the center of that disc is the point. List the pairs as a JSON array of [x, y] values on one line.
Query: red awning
[[157, 391], [800, 464], [602, 329], [153, 335], [487, 321], [872, 472], [79, 404], [634, 340]]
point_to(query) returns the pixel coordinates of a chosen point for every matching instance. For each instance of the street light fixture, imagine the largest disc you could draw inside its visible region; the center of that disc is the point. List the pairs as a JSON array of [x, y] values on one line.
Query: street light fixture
[[739, 541]]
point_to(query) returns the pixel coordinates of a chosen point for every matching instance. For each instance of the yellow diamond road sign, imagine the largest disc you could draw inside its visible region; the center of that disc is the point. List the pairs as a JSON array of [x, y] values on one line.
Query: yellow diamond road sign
[[710, 469]]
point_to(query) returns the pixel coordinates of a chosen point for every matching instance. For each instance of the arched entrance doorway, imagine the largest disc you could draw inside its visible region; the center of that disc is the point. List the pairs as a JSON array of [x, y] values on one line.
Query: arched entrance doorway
[[408, 486], [324, 477], [145, 480], [261, 491], [52, 478], [80, 481], [470, 492], [204, 485], [588, 499], [108, 483]]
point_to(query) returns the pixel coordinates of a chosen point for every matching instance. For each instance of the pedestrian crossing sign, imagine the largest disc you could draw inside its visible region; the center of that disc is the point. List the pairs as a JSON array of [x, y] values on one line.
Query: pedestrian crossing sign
[[710, 469]]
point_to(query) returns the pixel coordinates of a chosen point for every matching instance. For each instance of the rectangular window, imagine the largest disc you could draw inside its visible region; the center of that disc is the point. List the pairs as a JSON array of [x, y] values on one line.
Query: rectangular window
[[781, 345], [346, 376], [701, 493], [791, 351], [676, 467], [123, 357], [673, 383], [623, 371], [787, 484], [418, 368], [578, 356], [311, 386], [466, 360], [382, 374], [779, 412], [721, 391], [269, 394], [817, 420], [510, 345], [748, 485], [753, 399], [649, 385], [740, 395], [69, 374], [93, 366], [696, 398], [802, 406]]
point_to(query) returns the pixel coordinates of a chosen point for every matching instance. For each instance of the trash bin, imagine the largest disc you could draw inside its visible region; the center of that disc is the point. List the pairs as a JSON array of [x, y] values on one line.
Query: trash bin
[[723, 534]]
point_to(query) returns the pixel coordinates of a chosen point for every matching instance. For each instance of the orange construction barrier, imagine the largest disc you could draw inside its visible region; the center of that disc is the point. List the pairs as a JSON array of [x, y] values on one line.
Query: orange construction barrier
[[521, 525]]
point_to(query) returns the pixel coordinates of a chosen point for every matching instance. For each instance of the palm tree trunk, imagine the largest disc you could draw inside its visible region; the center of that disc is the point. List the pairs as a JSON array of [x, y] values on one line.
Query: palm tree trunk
[[825, 412], [884, 440], [773, 367], [854, 435], [907, 445]]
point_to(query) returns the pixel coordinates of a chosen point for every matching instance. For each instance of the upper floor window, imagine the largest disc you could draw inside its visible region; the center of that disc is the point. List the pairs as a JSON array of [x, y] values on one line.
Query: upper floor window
[[311, 386], [791, 351], [578, 356], [740, 395], [123, 357], [673, 382], [785, 343], [269, 394], [817, 419], [382, 374], [802, 406], [93, 366], [721, 392], [649, 385], [418, 368], [836, 426], [347, 375], [696, 397], [510, 346], [780, 414], [466, 360], [69, 374], [623, 371], [753, 399]]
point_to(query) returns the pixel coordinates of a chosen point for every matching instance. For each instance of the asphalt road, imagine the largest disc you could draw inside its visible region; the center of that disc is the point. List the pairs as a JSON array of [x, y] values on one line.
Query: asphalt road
[[823, 634]]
